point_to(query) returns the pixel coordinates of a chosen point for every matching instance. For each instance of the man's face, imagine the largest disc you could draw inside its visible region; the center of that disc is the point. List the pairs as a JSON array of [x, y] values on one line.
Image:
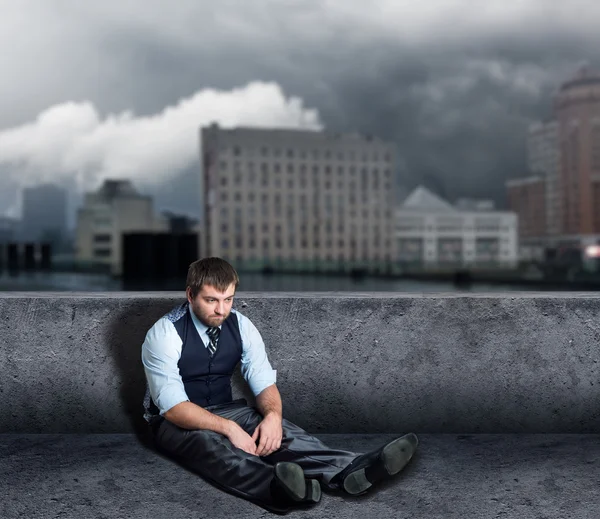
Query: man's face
[[211, 306]]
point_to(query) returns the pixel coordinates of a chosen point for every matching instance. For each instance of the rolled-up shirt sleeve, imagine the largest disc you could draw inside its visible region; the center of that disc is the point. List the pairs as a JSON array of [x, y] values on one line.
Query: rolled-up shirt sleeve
[[255, 366], [161, 352]]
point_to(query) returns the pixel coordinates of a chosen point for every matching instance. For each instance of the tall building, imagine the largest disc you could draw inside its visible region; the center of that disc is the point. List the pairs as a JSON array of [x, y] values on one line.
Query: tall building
[[44, 213], [8, 229], [564, 161], [432, 232], [544, 162], [527, 197], [298, 199], [114, 209], [577, 107]]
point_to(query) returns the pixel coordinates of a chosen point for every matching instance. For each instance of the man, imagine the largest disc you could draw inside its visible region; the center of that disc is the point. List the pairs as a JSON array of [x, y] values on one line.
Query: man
[[189, 356]]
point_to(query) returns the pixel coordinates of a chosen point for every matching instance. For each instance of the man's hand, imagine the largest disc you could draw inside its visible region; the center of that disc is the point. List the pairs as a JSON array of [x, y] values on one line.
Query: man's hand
[[241, 439], [270, 433]]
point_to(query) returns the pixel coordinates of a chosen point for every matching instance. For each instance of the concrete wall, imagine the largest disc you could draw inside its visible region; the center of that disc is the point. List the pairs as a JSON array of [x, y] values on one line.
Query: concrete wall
[[346, 363]]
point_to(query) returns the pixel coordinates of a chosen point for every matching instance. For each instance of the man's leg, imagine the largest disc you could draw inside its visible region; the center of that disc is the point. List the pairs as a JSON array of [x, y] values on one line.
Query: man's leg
[[213, 457], [317, 459], [336, 469]]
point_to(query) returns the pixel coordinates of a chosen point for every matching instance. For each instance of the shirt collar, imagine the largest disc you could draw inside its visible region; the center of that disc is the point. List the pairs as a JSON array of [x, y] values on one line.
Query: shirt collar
[[200, 326]]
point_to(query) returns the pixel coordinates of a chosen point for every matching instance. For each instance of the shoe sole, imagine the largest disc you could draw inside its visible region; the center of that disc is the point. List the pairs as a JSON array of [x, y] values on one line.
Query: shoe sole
[[299, 489], [398, 453], [395, 457]]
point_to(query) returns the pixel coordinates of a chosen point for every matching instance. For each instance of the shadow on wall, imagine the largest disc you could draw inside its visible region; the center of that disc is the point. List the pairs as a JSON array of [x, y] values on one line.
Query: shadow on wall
[[127, 333]]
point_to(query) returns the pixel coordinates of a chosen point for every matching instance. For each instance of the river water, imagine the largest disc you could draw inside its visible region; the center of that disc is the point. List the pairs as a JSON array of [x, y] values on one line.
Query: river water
[[254, 282]]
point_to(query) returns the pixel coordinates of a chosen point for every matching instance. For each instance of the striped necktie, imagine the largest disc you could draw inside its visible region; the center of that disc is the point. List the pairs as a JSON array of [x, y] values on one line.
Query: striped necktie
[[213, 334]]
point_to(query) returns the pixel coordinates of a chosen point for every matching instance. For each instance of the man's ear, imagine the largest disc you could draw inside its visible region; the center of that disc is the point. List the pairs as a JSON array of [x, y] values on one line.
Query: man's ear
[[188, 293]]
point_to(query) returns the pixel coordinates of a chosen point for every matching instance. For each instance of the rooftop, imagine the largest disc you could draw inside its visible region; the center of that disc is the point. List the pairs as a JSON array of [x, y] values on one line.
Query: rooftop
[[421, 199]]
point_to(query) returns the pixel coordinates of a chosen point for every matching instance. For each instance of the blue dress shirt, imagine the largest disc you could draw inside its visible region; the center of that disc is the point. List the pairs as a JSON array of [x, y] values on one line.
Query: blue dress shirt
[[162, 349]]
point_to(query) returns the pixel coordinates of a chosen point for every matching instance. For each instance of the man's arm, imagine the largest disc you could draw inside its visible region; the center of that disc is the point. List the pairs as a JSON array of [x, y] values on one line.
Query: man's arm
[[256, 368], [269, 432], [188, 415], [269, 402]]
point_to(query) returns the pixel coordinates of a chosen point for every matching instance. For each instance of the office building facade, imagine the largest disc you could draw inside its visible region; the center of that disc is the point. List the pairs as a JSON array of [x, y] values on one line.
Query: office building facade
[[430, 232], [302, 200], [114, 209]]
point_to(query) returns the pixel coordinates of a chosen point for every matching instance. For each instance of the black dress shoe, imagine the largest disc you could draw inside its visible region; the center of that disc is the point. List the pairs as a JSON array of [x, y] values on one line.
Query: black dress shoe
[[289, 479], [377, 465]]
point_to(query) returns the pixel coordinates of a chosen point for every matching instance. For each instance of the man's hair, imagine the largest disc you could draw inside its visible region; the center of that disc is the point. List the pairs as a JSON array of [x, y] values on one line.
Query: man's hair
[[215, 272]]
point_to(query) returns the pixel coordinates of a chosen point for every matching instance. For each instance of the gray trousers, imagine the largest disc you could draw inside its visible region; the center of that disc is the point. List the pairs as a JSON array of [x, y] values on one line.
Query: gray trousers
[[212, 456]]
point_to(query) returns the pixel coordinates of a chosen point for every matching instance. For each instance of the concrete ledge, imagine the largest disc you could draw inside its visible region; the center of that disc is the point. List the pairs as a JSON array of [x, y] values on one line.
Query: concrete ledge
[[451, 477], [347, 363]]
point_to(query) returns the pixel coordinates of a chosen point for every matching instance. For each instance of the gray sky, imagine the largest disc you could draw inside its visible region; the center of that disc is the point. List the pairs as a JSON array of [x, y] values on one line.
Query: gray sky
[[104, 89]]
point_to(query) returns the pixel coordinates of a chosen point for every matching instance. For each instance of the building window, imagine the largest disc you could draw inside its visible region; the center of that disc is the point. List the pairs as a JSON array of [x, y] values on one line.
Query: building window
[[102, 253], [102, 238]]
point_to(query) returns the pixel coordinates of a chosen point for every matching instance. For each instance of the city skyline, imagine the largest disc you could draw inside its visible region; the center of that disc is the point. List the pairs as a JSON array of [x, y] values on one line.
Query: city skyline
[[455, 88], [558, 204]]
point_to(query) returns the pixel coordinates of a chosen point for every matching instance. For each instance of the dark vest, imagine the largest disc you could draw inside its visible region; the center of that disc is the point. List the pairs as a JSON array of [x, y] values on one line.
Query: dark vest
[[206, 378]]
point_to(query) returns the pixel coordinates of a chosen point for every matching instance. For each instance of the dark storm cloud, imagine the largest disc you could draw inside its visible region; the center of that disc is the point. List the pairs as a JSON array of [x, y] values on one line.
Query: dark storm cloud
[[455, 87], [459, 115]]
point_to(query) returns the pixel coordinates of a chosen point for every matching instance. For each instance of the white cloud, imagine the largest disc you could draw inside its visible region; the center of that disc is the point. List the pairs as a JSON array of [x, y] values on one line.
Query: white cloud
[[72, 140]]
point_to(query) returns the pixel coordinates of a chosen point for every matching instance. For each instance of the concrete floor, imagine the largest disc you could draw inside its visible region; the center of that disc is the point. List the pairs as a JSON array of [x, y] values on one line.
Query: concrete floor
[[473, 476]]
